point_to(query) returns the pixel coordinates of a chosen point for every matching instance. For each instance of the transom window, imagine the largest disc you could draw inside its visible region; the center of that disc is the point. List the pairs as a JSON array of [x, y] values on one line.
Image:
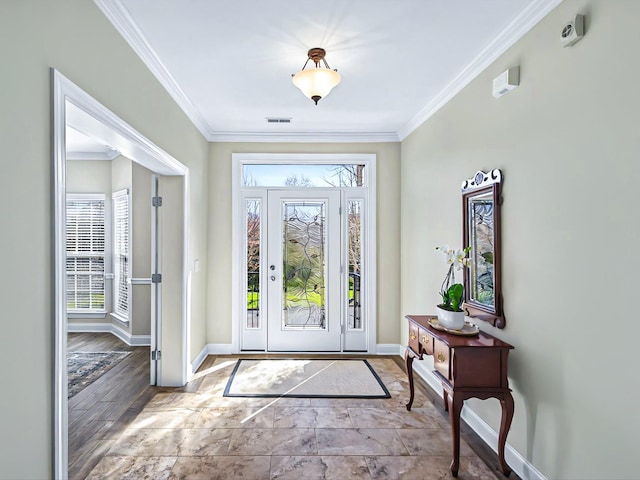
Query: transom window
[[303, 175]]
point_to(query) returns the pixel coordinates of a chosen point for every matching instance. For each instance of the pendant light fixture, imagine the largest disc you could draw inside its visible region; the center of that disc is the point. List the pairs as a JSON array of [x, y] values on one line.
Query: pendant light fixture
[[316, 83]]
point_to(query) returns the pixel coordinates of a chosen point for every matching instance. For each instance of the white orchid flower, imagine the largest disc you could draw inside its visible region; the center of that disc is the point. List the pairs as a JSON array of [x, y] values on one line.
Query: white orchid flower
[[449, 253], [460, 259], [456, 258]]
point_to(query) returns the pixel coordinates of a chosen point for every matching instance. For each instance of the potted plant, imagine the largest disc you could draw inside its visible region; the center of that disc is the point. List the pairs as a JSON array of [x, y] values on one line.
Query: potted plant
[[450, 313]]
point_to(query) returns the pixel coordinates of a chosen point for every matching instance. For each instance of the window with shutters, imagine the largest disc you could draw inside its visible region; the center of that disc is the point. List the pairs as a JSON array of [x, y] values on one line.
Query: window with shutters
[[85, 253], [121, 259]]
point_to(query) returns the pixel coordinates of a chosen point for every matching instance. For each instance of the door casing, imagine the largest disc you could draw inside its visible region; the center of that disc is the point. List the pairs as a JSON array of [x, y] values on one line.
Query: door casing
[[240, 194], [101, 122]]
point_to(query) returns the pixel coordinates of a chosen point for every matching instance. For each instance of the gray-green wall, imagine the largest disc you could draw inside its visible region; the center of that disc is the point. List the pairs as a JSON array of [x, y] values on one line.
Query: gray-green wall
[[388, 226], [74, 37], [567, 140]]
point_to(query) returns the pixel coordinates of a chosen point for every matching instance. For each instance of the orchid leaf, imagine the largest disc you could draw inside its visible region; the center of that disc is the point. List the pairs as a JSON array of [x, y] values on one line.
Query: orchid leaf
[[455, 294]]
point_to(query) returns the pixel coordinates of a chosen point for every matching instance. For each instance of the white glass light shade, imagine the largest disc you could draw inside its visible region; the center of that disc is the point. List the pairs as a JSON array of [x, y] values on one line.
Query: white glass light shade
[[316, 83]]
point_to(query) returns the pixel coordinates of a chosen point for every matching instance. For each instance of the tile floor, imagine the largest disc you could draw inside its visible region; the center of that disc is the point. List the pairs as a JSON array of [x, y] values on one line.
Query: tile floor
[[196, 433]]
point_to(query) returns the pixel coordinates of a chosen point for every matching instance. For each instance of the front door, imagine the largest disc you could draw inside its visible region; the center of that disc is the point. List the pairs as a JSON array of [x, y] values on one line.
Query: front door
[[303, 270]]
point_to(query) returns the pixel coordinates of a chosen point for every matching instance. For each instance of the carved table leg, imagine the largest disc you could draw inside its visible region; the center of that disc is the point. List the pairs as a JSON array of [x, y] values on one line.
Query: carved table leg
[[505, 423], [455, 407], [408, 361]]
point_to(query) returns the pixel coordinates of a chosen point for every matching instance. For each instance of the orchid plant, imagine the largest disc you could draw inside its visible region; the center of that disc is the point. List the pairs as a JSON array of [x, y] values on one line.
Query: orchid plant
[[452, 293]]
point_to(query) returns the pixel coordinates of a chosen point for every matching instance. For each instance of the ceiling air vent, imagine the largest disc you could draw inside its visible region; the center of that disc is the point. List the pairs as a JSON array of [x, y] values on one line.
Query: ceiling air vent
[[278, 120]]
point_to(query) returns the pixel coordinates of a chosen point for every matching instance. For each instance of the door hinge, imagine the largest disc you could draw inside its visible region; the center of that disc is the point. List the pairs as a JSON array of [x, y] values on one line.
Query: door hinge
[[156, 278], [343, 330], [156, 201], [340, 211], [156, 355]]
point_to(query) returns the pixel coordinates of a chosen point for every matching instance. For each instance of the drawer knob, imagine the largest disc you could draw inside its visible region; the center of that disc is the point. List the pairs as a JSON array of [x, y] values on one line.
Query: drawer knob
[[424, 339], [412, 336], [440, 357]]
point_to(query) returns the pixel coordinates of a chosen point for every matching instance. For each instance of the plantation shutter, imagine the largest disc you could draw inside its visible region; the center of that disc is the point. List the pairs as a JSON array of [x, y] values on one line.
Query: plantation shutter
[[85, 249], [121, 245]]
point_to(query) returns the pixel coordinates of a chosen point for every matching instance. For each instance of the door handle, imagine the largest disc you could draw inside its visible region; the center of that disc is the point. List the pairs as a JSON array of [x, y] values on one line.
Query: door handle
[[272, 267]]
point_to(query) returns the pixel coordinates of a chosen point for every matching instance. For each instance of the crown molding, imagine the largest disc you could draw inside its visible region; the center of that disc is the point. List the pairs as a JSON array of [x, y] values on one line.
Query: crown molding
[[524, 22], [329, 137], [117, 13]]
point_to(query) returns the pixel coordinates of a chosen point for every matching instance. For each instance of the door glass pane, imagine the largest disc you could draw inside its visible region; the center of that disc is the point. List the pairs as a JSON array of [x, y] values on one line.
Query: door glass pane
[[354, 255], [253, 264], [304, 272], [304, 175]]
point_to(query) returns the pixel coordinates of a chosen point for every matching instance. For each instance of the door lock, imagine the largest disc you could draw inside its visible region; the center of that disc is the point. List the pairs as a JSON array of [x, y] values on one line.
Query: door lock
[[272, 267], [273, 278]]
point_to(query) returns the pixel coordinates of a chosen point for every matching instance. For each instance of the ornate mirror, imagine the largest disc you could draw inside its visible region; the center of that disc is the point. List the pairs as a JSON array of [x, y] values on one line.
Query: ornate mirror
[[481, 226]]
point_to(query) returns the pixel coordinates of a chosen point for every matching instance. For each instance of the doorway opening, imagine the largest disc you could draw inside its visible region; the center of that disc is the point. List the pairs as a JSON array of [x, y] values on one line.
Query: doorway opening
[[304, 253], [84, 291]]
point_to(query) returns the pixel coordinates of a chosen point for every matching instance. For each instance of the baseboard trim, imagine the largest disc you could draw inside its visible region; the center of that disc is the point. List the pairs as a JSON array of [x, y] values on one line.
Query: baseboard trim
[[126, 337], [210, 349], [199, 358], [219, 349], [389, 349], [516, 461], [226, 349], [88, 327]]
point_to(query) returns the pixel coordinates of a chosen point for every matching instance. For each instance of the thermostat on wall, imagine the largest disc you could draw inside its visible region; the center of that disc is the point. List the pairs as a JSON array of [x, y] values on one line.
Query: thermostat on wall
[[506, 81]]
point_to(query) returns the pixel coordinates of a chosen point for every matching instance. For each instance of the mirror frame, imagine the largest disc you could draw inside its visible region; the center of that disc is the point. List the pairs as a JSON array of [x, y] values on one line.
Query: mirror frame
[[481, 184]]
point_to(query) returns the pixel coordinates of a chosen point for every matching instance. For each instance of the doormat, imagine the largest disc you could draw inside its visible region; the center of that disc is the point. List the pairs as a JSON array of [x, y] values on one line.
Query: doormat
[[349, 378], [84, 368]]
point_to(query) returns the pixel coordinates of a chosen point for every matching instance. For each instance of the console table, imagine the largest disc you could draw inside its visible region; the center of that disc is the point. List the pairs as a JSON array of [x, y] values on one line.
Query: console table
[[468, 367]]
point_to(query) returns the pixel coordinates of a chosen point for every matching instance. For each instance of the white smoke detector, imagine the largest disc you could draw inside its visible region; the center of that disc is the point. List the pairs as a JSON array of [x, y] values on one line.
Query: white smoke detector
[[506, 81], [572, 31]]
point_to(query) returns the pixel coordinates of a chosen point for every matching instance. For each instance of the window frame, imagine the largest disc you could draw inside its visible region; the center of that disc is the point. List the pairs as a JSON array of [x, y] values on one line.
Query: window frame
[[88, 312], [122, 315]]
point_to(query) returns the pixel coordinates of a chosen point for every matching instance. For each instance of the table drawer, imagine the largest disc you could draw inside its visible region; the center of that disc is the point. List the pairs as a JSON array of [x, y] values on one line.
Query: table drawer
[[414, 340], [426, 341], [442, 358]]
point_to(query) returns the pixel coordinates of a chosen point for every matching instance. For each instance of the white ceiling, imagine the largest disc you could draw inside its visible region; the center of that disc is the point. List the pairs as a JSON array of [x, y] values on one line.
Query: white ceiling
[[228, 64]]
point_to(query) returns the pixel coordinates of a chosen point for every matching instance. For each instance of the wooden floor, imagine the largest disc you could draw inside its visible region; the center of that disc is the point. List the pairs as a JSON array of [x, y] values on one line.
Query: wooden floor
[[102, 411]]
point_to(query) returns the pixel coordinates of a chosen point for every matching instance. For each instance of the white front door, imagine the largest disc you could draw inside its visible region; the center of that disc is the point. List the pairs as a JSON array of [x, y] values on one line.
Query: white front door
[[303, 270]]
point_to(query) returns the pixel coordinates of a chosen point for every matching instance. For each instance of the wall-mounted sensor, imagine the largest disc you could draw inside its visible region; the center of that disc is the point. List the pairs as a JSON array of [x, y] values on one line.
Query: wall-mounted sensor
[[572, 31], [506, 81]]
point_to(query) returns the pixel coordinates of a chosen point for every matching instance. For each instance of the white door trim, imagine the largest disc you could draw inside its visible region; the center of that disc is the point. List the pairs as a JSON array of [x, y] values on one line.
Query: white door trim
[[370, 257], [114, 131]]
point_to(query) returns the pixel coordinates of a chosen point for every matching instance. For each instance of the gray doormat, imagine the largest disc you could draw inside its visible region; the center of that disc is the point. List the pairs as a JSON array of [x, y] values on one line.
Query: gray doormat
[[345, 378]]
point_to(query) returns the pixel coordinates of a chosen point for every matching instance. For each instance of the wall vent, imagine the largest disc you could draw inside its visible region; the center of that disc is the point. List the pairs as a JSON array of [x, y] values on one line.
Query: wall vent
[[278, 120]]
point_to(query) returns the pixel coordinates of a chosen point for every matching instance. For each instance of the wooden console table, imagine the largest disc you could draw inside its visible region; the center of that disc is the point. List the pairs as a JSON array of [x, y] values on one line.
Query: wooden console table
[[468, 367]]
